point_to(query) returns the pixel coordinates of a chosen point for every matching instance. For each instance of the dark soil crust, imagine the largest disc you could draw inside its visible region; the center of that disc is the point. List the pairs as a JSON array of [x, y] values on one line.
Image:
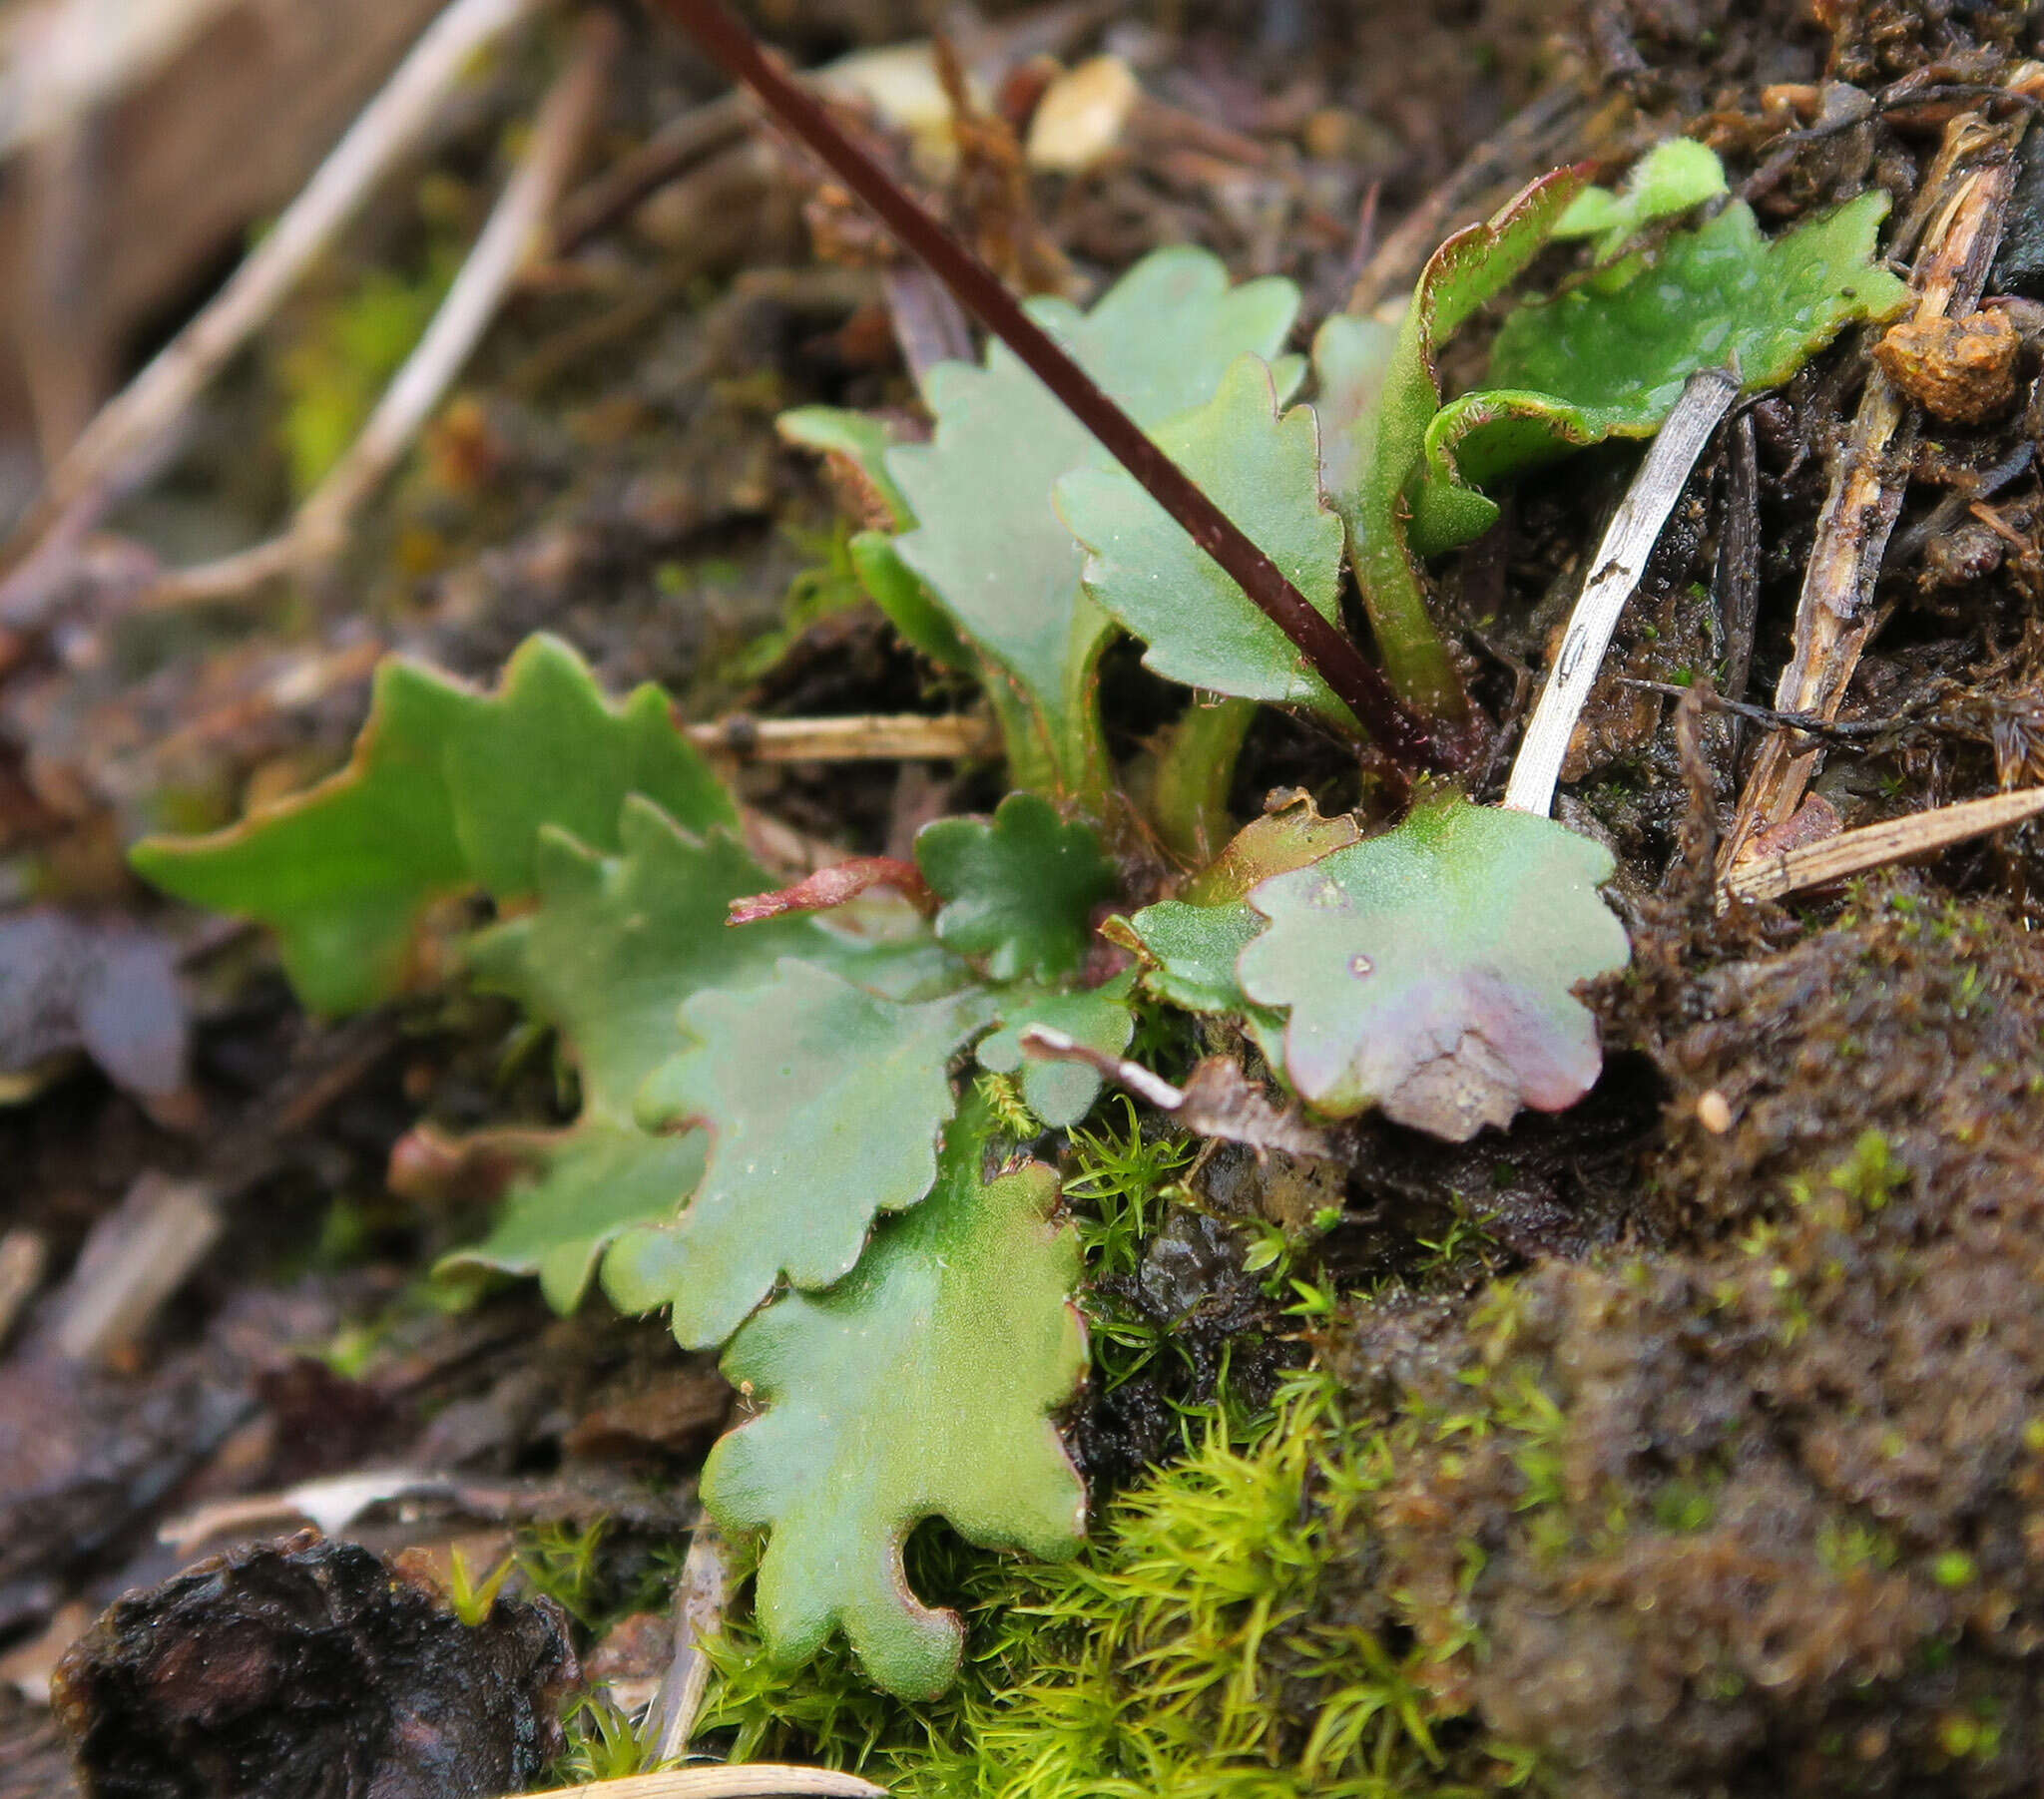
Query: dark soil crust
[[1760, 1510]]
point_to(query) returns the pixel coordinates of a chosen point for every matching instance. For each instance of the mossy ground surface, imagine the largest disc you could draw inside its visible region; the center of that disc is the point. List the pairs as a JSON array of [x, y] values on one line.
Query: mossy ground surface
[[1756, 1510]]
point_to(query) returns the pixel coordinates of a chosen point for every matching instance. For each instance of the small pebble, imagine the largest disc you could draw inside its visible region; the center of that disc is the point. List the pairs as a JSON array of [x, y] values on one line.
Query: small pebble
[[1080, 118], [1714, 1112]]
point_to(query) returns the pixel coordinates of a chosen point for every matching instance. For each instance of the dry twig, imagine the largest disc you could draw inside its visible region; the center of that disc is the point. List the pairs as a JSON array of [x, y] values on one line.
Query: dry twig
[[132, 426], [1218, 1099], [1616, 569], [866, 738], [1960, 218], [506, 244], [698, 1615], [1876, 845]]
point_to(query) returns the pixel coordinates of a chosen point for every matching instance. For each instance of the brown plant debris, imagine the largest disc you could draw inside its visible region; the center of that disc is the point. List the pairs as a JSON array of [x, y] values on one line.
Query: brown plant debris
[[308, 1672], [1959, 370]]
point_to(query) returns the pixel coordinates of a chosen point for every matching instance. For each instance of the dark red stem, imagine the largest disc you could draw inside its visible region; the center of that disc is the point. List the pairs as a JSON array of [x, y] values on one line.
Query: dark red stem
[[1361, 687]]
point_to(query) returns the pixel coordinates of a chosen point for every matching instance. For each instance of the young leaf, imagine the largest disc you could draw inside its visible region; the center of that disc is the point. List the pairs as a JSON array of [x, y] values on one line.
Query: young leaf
[[1191, 954], [857, 441], [1262, 469], [822, 1103], [1468, 270], [1061, 1093], [1596, 364], [989, 544], [1017, 888], [1429, 971], [921, 1386], [1191, 945], [447, 790], [614, 947], [1676, 175]]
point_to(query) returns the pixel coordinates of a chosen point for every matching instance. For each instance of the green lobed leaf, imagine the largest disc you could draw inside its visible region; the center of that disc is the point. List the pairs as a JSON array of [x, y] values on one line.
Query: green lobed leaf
[[1676, 175], [1259, 467], [1018, 889], [921, 1386], [1189, 958], [1468, 270], [614, 947], [1060, 1094], [822, 1102], [1191, 946], [990, 545], [1429, 971], [1602, 363], [571, 1192], [446, 789]]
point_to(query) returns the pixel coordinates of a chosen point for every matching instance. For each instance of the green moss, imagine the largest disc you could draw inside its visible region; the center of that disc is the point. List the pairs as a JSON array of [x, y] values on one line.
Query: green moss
[[334, 373], [827, 586], [1184, 1655]]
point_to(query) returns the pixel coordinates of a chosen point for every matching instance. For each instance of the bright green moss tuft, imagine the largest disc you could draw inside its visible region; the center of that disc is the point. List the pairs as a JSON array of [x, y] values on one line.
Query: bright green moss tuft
[[1181, 1656]]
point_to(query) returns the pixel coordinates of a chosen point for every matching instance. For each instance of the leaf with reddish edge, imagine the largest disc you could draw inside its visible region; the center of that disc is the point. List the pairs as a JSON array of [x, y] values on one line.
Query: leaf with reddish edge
[[920, 1386], [1429, 971], [1288, 835], [1469, 269], [1611, 360]]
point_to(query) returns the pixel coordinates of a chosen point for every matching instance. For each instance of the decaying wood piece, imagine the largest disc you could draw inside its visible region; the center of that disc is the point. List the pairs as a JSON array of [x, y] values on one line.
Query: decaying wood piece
[[1839, 858], [514, 230], [24, 1255], [132, 427], [134, 1260], [1955, 230]]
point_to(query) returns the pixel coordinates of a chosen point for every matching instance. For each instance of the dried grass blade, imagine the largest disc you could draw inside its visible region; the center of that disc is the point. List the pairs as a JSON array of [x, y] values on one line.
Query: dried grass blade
[[1876, 845]]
